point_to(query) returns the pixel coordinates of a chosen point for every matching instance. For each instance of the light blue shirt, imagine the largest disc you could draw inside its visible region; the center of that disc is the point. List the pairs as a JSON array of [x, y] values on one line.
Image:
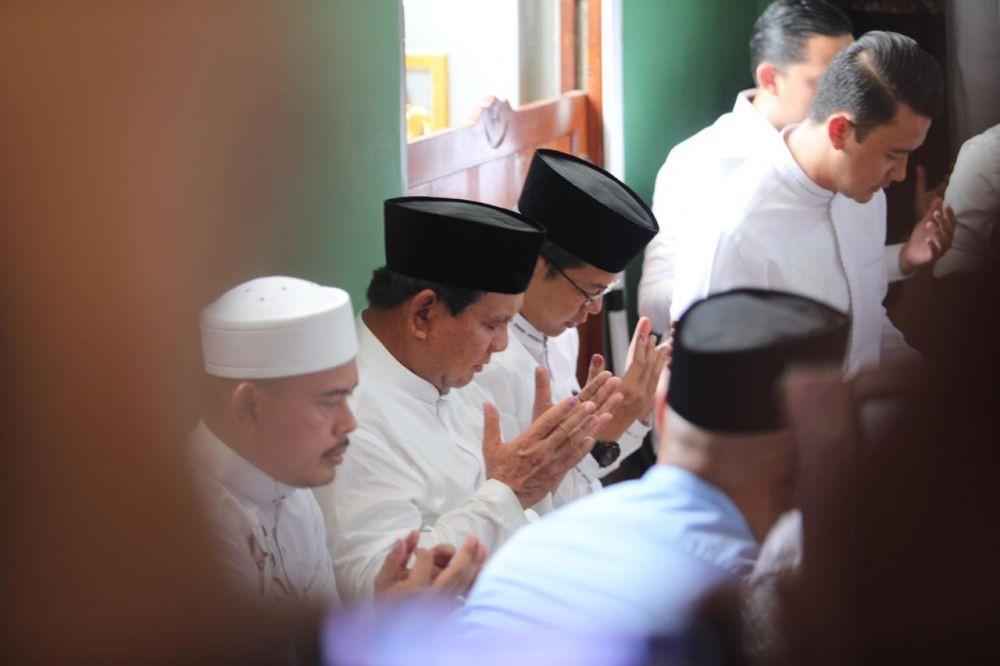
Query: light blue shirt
[[633, 559]]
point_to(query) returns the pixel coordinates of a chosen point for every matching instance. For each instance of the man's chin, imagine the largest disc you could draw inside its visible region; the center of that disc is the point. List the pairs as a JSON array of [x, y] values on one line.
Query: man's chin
[[865, 197], [321, 478]]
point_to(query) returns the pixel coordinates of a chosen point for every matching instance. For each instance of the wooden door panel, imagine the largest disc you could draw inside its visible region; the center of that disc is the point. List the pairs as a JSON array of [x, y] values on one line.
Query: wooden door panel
[[488, 160]]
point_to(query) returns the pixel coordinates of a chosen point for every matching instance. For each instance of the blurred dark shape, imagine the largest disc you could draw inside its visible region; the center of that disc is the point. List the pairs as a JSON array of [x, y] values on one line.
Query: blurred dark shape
[[134, 142], [901, 530]]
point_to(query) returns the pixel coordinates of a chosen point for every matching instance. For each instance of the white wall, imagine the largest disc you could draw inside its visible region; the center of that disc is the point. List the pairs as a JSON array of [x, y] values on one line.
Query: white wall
[[480, 38]]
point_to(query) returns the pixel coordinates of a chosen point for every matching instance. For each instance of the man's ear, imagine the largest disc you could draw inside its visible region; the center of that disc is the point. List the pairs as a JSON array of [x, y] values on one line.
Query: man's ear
[[245, 403], [839, 129], [765, 76], [420, 313]]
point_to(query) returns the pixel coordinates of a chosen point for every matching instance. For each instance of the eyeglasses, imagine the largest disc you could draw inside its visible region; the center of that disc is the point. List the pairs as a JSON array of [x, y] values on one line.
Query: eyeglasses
[[588, 296]]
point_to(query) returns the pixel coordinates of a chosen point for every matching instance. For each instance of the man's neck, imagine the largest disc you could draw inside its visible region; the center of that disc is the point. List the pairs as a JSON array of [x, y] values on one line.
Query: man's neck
[[756, 501], [810, 148], [767, 105], [387, 327]]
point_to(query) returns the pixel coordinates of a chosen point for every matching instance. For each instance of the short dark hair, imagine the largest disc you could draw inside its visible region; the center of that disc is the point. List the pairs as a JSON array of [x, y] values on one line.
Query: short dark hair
[[872, 76], [389, 289], [781, 32], [553, 254]]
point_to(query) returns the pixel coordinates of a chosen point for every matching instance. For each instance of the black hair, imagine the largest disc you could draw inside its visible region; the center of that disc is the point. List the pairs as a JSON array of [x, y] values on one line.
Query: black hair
[[780, 34], [872, 76], [389, 289], [556, 256]]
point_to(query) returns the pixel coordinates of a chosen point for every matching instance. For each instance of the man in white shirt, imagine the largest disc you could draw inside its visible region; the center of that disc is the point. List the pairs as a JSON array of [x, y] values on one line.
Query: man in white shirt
[[974, 194], [637, 558], [430, 454], [791, 44], [594, 226], [279, 359], [807, 215]]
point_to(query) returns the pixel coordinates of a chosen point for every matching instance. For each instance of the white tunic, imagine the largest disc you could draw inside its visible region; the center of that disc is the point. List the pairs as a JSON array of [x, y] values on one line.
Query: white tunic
[[689, 180], [415, 463], [271, 536], [974, 194], [777, 229], [509, 379]]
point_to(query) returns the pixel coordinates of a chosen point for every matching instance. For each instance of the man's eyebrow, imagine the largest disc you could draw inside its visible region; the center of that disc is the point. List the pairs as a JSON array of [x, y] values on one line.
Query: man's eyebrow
[[339, 391]]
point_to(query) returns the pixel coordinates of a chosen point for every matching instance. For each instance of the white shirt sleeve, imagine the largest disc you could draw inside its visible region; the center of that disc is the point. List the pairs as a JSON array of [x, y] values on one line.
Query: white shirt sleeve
[[385, 500], [891, 257], [656, 287]]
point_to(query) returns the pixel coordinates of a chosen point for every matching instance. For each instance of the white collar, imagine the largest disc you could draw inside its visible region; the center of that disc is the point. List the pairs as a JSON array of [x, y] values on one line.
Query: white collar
[[381, 365], [234, 471], [533, 340], [805, 187], [744, 109]]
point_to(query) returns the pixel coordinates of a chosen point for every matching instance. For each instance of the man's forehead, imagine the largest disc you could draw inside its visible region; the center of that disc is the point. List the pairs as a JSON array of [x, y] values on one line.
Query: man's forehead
[[905, 132], [497, 306], [341, 378]]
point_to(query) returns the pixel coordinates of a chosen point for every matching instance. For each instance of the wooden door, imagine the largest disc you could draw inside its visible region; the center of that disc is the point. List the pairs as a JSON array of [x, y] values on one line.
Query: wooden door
[[488, 159]]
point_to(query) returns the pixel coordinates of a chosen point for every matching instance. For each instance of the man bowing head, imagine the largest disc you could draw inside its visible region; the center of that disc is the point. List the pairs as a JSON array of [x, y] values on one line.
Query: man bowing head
[[279, 357], [431, 452]]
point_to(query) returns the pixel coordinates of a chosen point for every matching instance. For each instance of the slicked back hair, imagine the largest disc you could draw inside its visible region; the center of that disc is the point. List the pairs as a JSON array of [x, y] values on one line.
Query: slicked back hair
[[388, 289], [872, 76], [782, 31]]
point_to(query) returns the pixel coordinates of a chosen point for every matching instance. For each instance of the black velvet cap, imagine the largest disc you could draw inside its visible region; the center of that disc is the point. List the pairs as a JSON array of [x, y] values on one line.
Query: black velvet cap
[[732, 349], [461, 243], [585, 210]]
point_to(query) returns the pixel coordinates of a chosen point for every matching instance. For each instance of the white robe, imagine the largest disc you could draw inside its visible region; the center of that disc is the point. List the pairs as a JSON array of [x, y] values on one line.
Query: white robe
[[415, 463], [271, 536], [691, 178], [777, 229], [509, 379]]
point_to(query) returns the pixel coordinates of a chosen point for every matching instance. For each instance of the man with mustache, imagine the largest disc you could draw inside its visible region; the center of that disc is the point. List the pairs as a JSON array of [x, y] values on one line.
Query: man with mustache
[[279, 363], [431, 451]]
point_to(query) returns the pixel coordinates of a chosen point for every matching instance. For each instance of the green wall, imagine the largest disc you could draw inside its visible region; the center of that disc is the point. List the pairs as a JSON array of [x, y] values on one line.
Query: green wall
[[350, 157], [683, 61]]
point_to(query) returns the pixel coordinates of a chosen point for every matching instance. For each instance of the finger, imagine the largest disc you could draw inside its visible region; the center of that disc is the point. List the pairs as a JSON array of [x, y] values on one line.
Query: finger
[[587, 428], [481, 553], [564, 430], [462, 569], [491, 427], [411, 541], [950, 219], [391, 566], [543, 426], [662, 356], [642, 331], [642, 328], [613, 402], [936, 249], [650, 360], [420, 574], [592, 387], [606, 391], [572, 456], [543, 392], [596, 366]]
